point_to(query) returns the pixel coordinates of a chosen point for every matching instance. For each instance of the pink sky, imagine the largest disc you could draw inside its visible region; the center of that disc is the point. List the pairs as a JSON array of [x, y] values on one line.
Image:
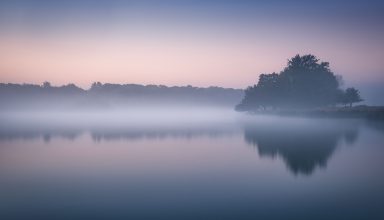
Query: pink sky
[[224, 46], [169, 61]]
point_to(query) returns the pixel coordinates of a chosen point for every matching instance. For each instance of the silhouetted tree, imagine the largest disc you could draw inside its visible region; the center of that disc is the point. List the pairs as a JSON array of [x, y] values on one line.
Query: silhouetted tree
[[46, 84], [96, 85], [304, 83], [308, 83], [265, 94], [351, 96]]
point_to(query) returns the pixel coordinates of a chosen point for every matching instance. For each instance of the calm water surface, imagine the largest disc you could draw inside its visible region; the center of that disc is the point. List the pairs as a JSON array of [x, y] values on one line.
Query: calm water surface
[[239, 168]]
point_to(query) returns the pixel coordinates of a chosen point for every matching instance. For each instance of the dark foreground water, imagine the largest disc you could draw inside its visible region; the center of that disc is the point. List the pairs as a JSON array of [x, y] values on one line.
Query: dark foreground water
[[239, 168]]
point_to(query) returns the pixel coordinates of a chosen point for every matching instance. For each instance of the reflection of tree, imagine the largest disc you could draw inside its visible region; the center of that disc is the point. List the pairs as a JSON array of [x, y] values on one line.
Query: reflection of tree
[[375, 124], [303, 146]]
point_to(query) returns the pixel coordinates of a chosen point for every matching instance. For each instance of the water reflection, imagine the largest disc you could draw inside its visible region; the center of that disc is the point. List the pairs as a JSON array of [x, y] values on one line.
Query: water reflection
[[113, 132], [203, 170], [36, 132], [303, 144]]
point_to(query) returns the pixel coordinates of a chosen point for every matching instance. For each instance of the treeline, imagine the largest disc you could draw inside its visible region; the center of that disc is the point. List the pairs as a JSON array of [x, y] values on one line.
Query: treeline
[[112, 95], [304, 84]]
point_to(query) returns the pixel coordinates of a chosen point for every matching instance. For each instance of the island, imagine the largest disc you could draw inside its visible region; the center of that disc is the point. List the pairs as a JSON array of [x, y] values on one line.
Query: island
[[305, 87]]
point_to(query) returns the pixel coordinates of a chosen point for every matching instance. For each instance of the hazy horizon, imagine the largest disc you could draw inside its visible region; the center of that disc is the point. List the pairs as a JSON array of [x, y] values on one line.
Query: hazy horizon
[[199, 43], [371, 93]]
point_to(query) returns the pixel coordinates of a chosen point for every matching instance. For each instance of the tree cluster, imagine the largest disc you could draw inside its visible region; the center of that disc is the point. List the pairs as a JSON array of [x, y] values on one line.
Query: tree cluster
[[107, 95], [304, 83]]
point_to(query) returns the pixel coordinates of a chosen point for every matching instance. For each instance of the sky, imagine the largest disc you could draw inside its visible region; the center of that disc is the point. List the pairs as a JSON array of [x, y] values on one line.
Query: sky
[[201, 43]]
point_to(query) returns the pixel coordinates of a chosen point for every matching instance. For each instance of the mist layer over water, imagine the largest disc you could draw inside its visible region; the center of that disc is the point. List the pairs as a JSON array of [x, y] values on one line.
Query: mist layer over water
[[188, 163]]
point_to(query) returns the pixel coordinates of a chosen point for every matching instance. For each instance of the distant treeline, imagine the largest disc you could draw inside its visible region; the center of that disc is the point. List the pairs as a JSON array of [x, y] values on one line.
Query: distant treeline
[[29, 96]]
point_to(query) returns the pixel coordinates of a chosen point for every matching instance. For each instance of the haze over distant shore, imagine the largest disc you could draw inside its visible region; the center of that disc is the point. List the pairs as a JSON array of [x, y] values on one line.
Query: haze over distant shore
[[23, 97]]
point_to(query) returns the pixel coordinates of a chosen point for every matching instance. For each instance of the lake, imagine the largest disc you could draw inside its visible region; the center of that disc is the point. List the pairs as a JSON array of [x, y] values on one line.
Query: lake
[[212, 166]]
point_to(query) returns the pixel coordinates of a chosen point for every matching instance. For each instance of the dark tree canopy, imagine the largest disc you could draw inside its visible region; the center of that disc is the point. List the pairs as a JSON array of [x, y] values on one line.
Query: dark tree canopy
[[350, 96], [304, 83]]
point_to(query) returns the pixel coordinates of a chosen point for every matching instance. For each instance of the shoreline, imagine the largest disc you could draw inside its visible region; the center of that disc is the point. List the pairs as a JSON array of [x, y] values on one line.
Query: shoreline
[[366, 112]]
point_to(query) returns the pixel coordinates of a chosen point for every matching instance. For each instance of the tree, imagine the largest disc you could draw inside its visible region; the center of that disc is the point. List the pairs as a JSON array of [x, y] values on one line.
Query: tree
[[304, 83], [351, 96], [269, 89], [307, 82], [96, 85], [265, 94], [47, 84]]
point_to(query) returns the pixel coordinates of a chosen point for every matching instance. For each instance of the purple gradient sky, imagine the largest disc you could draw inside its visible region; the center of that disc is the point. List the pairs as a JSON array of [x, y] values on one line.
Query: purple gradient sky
[[202, 43]]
